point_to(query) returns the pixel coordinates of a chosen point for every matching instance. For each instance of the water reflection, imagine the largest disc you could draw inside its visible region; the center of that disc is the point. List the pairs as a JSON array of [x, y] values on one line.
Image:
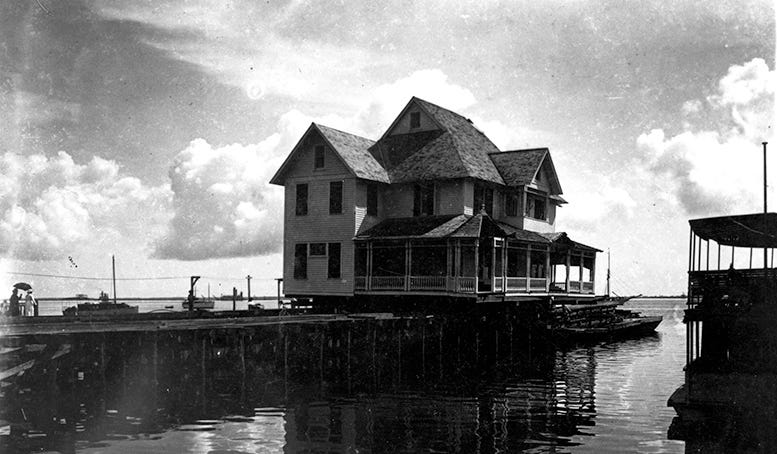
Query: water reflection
[[432, 385]]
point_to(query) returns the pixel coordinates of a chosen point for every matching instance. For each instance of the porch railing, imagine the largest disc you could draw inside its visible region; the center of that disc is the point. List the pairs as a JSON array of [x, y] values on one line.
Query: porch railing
[[588, 287], [465, 284], [537, 284], [360, 283], [428, 283], [574, 287], [387, 283], [498, 284], [516, 284]]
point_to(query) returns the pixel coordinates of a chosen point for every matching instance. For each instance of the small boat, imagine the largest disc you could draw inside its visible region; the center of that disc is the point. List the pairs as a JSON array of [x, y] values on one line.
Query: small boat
[[600, 320], [101, 308], [200, 303], [636, 325]]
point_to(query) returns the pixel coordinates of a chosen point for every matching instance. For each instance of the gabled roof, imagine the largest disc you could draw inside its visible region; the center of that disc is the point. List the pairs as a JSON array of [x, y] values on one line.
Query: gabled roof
[[520, 167], [457, 150], [350, 148]]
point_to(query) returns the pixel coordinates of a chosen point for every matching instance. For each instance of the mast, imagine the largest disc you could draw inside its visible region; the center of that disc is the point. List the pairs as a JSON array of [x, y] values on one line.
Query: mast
[[608, 273], [113, 266], [766, 229]]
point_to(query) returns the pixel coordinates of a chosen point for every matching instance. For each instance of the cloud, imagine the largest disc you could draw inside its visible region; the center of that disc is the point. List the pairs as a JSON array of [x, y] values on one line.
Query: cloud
[[50, 207], [223, 203], [708, 171]]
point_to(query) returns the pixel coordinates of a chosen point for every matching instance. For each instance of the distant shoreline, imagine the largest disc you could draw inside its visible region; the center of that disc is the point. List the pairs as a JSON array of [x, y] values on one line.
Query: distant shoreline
[[154, 298]]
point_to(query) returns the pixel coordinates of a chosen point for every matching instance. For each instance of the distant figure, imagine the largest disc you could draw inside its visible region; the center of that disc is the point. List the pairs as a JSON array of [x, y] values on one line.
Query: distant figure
[[190, 299], [29, 304], [13, 310]]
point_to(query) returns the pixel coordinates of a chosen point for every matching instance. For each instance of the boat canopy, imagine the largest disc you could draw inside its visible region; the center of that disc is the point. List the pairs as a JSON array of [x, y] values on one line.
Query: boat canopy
[[746, 230]]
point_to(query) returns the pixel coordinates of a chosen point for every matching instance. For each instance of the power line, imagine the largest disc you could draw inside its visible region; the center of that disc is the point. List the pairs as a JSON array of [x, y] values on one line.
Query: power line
[[154, 278]]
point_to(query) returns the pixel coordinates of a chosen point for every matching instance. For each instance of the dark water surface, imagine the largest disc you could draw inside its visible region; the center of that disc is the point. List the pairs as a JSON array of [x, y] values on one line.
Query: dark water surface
[[393, 386]]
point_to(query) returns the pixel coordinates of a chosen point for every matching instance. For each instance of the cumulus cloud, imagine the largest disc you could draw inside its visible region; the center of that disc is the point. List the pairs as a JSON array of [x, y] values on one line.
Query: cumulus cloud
[[223, 203], [51, 206], [715, 166]]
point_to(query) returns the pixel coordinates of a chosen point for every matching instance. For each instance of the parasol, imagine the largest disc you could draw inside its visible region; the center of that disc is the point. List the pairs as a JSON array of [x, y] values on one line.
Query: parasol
[[22, 286]]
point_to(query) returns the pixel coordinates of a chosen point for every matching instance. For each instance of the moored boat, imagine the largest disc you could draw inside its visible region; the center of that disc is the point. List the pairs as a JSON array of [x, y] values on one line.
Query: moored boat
[[730, 389], [200, 303]]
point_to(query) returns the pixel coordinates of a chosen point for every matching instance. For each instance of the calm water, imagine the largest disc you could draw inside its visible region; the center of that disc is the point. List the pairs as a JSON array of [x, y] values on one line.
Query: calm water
[[428, 386]]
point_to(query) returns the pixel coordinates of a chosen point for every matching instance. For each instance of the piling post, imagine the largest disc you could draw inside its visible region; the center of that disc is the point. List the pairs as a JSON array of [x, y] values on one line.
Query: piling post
[[234, 299], [285, 365], [423, 349], [348, 364], [374, 368], [321, 360], [439, 353]]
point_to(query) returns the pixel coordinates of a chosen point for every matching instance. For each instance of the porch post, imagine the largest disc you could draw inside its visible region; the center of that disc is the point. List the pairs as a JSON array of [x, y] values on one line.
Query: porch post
[[581, 272], [477, 263], [504, 265], [457, 265], [449, 264], [369, 266], [528, 268], [493, 264], [593, 274], [566, 284], [547, 269], [408, 258]]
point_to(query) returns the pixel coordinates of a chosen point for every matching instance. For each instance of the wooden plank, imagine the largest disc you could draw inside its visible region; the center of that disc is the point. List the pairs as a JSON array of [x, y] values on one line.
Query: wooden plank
[[16, 370]]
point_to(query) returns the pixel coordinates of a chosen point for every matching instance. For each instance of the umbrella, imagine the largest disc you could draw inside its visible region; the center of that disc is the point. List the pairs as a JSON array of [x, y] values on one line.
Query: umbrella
[[22, 286]]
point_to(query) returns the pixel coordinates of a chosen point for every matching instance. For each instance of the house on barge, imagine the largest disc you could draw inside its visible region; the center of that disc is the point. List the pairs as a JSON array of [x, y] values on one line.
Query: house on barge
[[431, 209]]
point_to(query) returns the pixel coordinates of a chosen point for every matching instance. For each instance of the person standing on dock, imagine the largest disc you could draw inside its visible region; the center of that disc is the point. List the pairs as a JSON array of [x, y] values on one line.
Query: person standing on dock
[[13, 310], [29, 304]]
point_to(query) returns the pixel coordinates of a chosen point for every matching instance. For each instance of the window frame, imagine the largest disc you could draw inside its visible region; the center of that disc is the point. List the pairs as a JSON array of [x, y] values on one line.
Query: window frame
[[319, 156], [335, 206], [301, 206], [372, 199], [334, 261], [415, 120], [423, 194], [300, 261], [511, 204], [319, 247]]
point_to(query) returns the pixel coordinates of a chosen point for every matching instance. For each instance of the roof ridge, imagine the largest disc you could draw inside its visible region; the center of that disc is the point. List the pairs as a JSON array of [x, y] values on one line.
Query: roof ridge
[[441, 108], [522, 150], [319, 125]]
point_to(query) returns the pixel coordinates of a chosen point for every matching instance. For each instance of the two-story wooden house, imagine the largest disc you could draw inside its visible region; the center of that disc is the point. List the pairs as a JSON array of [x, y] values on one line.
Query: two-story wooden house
[[432, 208]]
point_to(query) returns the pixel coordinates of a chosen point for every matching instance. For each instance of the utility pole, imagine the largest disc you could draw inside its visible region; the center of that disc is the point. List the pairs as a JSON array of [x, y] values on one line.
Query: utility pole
[[113, 266], [248, 278]]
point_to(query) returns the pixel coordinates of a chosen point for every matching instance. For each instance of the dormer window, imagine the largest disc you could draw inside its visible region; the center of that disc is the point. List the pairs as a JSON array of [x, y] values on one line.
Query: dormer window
[[423, 199], [415, 120], [318, 159], [536, 206]]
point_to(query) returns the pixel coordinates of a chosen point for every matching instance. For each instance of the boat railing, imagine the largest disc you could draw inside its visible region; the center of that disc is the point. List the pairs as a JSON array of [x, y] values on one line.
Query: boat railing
[[729, 288]]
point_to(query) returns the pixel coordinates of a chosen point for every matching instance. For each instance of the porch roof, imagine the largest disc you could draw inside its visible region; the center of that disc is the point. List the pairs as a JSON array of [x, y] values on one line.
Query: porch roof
[[449, 226], [562, 239]]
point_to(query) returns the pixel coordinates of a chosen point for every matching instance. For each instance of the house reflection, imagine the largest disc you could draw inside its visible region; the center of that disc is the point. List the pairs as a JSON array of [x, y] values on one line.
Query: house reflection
[[395, 385]]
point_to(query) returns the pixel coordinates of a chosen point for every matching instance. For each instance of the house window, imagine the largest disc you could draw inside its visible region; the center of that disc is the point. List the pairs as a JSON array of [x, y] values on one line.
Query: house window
[[415, 120], [372, 200], [317, 249], [511, 204], [302, 199], [483, 198], [535, 206], [301, 261], [318, 161], [423, 199], [336, 197], [333, 266]]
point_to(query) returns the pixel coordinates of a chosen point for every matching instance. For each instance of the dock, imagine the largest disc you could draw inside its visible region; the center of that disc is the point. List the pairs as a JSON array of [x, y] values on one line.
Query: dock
[[57, 325]]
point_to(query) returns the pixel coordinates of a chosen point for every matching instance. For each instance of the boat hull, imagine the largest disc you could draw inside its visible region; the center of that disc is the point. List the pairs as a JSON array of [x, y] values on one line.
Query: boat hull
[[635, 326]]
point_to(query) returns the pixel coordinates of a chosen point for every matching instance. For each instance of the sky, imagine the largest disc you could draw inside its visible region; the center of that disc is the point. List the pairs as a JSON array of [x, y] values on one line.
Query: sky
[[150, 132]]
